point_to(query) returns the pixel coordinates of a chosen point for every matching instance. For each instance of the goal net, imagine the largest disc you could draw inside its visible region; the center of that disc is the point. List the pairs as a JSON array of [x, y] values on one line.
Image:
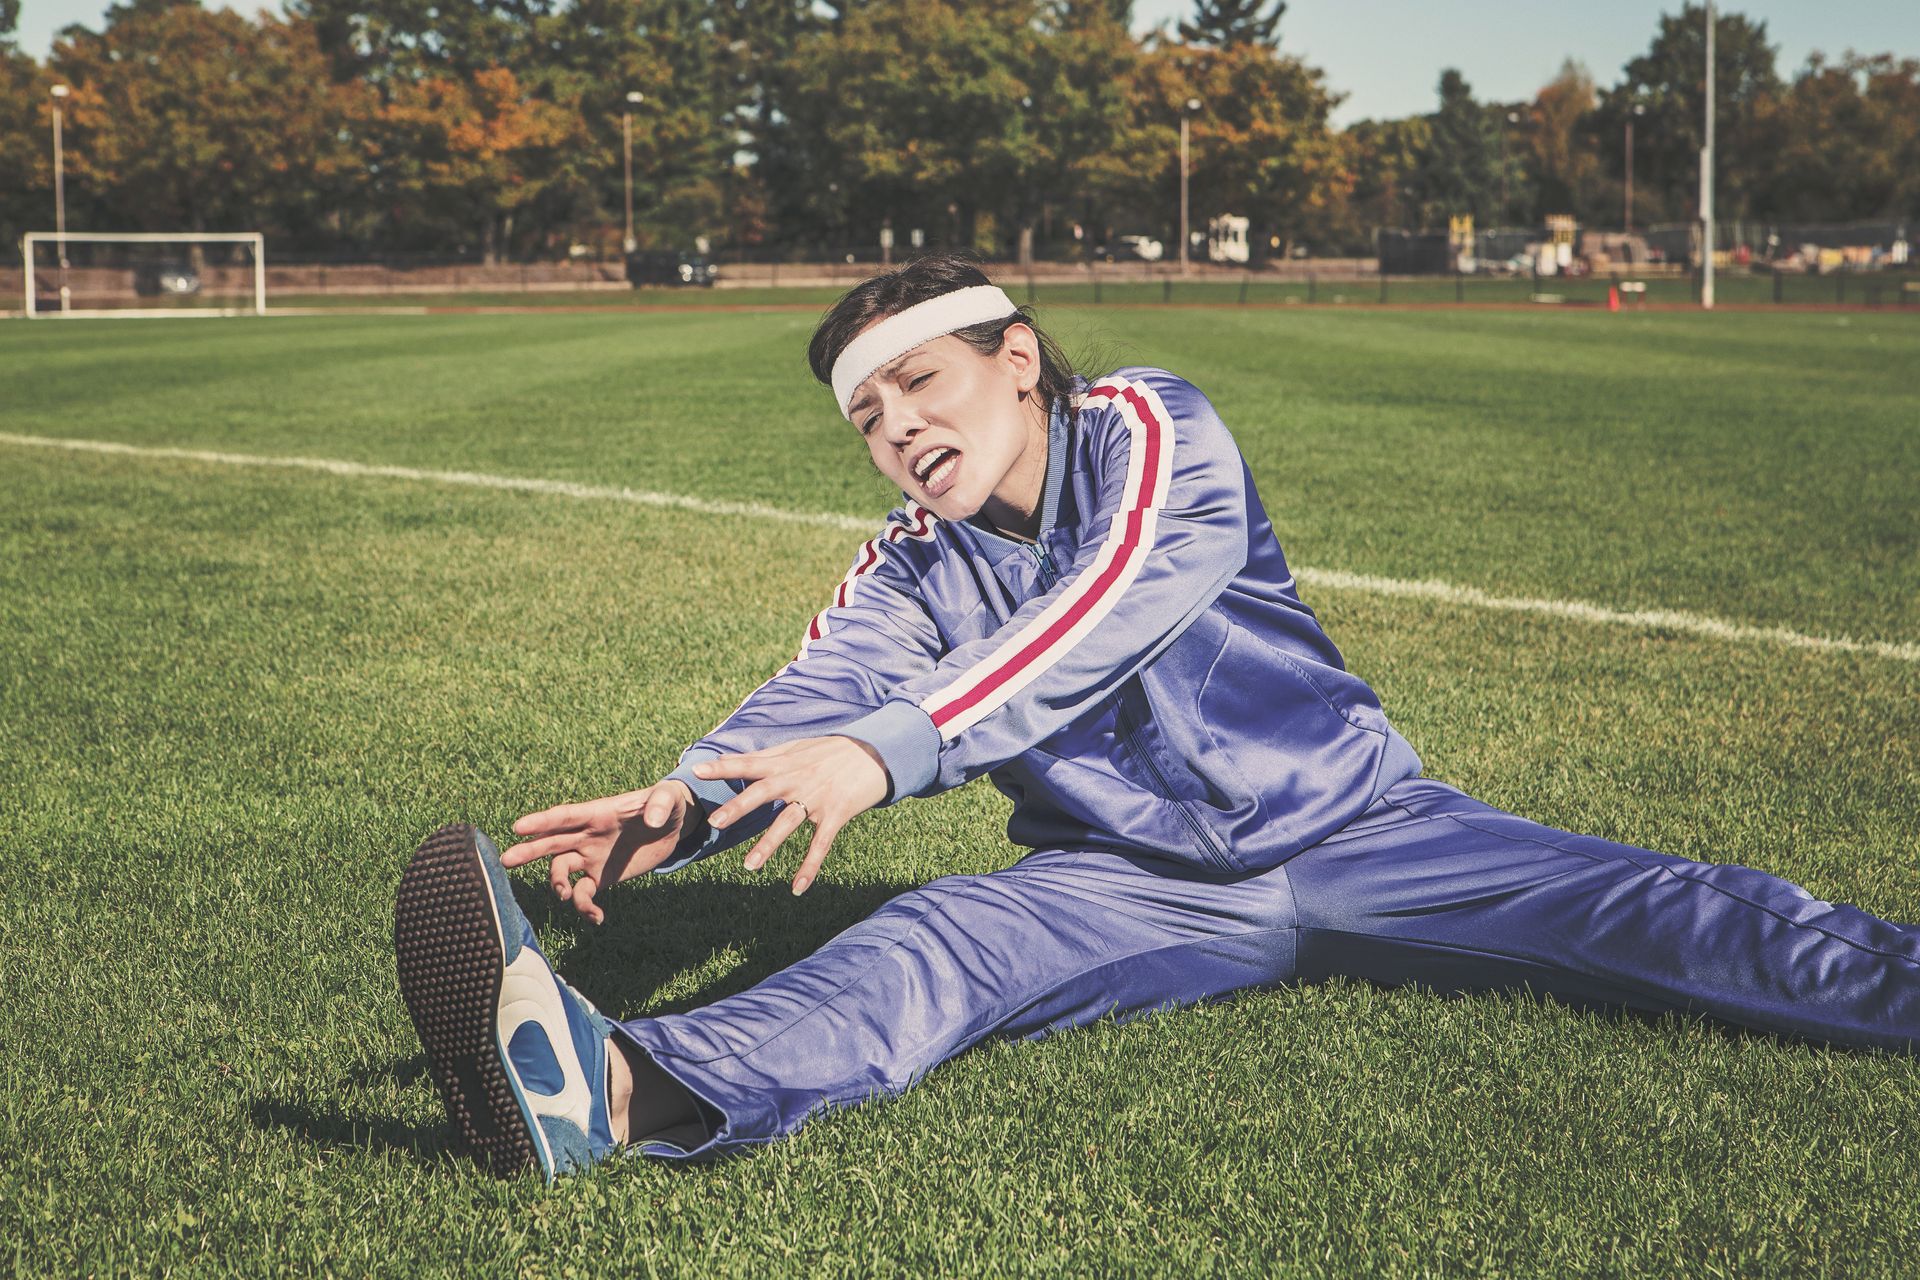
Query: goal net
[[155, 273]]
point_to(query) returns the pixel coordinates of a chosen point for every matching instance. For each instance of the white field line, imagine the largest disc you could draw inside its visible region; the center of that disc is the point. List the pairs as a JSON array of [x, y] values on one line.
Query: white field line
[[1331, 579]]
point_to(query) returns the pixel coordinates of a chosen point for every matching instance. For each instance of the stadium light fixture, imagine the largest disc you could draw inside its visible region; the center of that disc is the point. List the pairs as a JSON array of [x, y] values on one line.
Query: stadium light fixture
[[60, 92], [634, 99], [1187, 111]]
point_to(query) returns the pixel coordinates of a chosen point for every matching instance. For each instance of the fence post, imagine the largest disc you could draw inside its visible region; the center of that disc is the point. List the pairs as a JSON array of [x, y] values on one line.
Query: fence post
[[1096, 288], [1244, 281], [1459, 284], [1029, 286], [1383, 286], [1166, 289], [1840, 287], [1313, 290], [1776, 284]]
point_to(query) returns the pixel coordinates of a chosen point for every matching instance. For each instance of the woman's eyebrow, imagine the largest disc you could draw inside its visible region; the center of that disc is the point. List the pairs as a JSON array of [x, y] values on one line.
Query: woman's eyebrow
[[863, 397]]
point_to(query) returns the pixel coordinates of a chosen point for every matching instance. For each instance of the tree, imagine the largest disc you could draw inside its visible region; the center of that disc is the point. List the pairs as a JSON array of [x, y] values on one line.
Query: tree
[[26, 141], [464, 155], [1385, 157], [1669, 81], [188, 120], [921, 113], [1848, 141], [1561, 161], [1262, 144], [1225, 24], [1459, 172]]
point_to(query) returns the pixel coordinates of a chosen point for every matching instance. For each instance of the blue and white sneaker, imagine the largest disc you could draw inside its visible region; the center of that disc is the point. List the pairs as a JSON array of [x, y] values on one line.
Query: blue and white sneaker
[[519, 1056]]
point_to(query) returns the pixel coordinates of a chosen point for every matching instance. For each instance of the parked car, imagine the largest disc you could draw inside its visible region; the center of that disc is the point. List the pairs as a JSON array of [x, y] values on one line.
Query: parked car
[[670, 266], [168, 279], [1131, 249]]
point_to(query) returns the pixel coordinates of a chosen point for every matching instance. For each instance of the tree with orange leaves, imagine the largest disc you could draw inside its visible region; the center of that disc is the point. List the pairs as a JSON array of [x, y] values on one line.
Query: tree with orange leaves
[[467, 153]]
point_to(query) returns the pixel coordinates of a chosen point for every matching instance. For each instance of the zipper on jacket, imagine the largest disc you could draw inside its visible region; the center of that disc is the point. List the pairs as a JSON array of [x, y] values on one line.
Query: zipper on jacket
[[1209, 847], [1044, 561]]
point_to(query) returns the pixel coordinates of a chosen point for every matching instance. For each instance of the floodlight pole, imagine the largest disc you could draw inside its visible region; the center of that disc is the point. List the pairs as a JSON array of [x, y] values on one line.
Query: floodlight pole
[[1513, 118], [634, 99], [60, 91], [1639, 109], [1706, 182], [1186, 112]]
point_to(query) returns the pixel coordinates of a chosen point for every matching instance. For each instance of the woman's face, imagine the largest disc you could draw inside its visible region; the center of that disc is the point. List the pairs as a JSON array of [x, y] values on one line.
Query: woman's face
[[958, 431]]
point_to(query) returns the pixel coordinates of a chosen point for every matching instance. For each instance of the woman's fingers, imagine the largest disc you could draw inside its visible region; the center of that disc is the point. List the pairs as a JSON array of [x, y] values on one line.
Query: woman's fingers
[[817, 849], [562, 817], [560, 873], [784, 824], [661, 803], [526, 851], [765, 791], [583, 891], [746, 764]]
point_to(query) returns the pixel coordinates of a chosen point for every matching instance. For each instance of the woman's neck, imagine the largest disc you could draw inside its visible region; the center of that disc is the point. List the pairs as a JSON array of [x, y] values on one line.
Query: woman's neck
[[1013, 509]]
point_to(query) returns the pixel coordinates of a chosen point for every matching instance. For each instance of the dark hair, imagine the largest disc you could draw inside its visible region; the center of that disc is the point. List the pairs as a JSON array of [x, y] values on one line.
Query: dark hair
[[892, 292]]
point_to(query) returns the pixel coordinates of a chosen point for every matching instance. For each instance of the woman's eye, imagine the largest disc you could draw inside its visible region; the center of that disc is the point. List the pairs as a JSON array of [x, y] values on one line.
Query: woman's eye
[[917, 381], [867, 426]]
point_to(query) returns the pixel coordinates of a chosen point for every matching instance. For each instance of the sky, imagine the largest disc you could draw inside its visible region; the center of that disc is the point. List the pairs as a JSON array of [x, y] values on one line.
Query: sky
[[1387, 55]]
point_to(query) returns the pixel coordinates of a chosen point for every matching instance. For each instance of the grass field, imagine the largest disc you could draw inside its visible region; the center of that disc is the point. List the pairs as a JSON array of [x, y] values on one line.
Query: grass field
[[234, 698]]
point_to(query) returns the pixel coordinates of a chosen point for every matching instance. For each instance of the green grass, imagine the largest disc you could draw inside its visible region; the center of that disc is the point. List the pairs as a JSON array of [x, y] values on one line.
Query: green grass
[[234, 699]]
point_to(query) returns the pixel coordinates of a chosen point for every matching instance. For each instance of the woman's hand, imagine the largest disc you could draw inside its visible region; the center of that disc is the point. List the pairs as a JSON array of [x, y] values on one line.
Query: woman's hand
[[828, 781], [602, 841]]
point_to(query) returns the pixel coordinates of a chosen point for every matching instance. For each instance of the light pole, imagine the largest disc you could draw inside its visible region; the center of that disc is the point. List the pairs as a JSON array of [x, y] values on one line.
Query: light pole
[[1513, 118], [1186, 113], [1706, 182], [1639, 109], [634, 99], [60, 92]]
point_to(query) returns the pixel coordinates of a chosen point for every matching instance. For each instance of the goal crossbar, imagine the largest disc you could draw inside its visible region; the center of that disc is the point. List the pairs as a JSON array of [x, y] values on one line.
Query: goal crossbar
[[61, 239]]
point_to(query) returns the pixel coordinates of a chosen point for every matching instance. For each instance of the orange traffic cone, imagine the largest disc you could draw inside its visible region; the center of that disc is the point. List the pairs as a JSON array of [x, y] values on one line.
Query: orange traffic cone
[[1613, 297]]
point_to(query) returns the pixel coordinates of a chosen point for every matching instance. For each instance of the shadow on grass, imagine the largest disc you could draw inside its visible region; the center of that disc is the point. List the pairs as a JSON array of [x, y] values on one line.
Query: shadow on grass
[[656, 929], [333, 1128]]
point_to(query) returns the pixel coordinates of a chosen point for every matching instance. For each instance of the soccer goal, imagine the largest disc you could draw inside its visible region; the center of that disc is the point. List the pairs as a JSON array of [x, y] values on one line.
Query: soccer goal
[[150, 273]]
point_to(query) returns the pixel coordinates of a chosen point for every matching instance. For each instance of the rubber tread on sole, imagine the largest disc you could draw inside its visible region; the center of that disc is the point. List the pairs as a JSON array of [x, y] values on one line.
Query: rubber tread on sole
[[447, 950]]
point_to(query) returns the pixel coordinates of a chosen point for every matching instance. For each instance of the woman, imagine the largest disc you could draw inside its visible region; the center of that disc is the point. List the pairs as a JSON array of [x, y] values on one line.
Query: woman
[[1082, 596]]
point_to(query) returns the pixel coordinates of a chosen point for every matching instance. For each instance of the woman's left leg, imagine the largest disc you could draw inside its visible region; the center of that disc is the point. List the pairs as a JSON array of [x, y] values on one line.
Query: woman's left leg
[[1058, 939], [1436, 888]]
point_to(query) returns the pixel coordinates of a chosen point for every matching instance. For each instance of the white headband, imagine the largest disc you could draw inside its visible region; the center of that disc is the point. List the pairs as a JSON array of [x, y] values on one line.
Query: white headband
[[901, 332]]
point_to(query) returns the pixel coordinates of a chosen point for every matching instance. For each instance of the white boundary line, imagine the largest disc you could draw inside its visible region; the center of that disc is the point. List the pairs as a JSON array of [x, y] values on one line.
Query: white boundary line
[[1331, 579]]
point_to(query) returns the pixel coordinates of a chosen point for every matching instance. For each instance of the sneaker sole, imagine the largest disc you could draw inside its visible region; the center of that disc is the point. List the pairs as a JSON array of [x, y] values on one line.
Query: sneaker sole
[[447, 948]]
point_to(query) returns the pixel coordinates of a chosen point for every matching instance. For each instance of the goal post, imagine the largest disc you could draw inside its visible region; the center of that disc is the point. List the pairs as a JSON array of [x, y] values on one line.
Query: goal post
[[144, 273]]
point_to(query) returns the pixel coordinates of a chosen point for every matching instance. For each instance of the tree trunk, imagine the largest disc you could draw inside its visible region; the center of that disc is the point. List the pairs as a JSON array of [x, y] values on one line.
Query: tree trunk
[[1026, 245], [489, 241]]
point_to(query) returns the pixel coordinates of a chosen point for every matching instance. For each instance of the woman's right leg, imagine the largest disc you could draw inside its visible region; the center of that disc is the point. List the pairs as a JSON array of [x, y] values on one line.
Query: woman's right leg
[[1436, 888], [1059, 939]]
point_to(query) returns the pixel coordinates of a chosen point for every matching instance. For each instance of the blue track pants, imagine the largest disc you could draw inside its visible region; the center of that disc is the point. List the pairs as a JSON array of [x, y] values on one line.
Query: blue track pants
[[1428, 886]]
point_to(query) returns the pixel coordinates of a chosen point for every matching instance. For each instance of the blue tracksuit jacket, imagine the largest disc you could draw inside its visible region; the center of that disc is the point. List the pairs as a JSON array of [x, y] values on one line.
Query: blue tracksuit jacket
[[1143, 677]]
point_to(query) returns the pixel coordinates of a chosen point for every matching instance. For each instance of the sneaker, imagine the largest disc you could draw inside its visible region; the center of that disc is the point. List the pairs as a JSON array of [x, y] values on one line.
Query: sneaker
[[519, 1056]]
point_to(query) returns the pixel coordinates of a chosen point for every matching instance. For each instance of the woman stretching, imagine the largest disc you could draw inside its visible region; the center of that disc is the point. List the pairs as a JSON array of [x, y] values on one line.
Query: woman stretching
[[1082, 598]]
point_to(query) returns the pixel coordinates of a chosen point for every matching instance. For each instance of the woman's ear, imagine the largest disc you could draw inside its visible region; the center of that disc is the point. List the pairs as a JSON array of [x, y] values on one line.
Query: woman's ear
[[1020, 348]]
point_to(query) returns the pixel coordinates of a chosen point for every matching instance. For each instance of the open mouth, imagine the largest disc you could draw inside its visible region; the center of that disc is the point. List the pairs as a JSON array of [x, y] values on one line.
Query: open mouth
[[936, 468]]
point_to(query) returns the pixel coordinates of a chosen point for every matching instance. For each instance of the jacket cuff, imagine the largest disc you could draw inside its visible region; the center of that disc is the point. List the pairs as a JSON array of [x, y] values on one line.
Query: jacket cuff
[[908, 743]]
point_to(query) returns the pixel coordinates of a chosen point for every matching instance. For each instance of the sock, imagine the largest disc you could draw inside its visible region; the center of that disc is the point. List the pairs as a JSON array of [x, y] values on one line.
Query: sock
[[661, 1109]]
